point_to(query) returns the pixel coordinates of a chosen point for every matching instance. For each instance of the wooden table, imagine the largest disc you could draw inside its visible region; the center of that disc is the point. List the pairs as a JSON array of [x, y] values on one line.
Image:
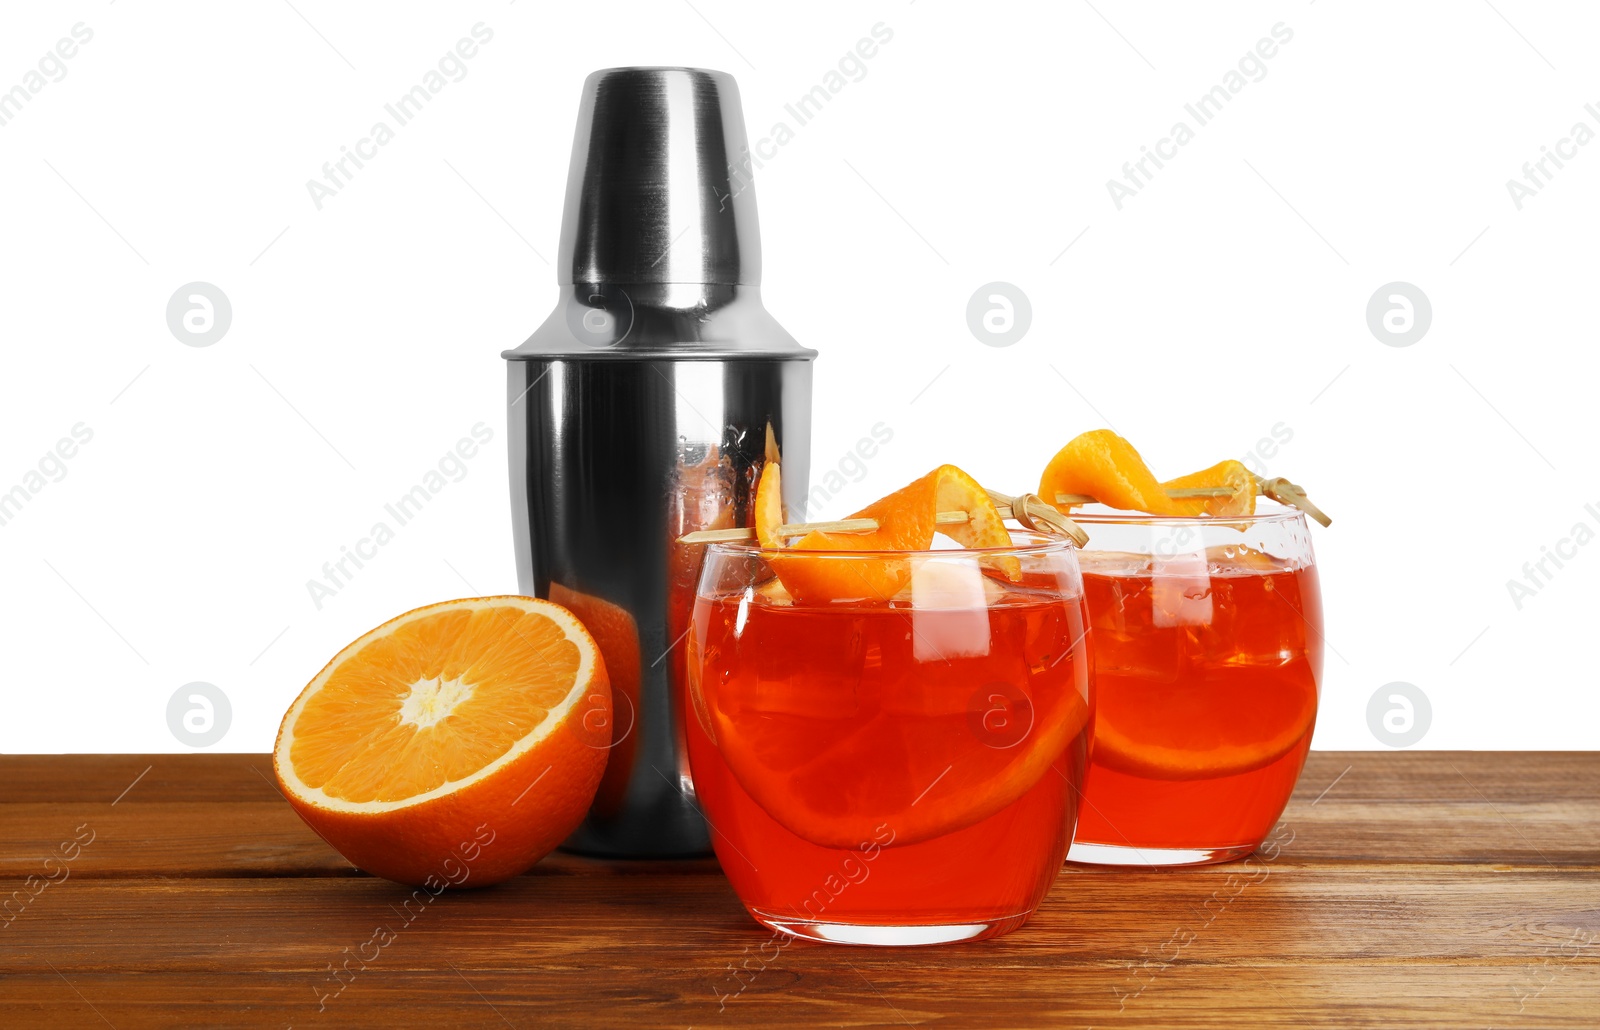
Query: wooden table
[[1444, 889]]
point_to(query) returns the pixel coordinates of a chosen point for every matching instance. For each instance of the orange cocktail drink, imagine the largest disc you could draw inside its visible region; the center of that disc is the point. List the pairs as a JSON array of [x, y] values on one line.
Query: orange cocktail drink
[[1207, 651], [890, 767]]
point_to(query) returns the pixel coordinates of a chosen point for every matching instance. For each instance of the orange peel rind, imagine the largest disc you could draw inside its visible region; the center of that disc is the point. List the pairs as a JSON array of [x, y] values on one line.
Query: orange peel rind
[[1228, 474], [1104, 466], [907, 521]]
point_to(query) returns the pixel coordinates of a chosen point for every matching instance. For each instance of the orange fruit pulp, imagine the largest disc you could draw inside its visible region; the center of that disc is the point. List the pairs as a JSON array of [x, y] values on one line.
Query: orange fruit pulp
[[454, 745]]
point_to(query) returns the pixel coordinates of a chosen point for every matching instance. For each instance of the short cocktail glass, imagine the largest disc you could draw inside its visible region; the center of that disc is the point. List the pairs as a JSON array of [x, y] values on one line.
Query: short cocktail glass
[[1207, 652], [899, 769]]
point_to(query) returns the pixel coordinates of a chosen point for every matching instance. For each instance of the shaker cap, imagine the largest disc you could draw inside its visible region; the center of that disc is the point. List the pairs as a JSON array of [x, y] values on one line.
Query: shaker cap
[[660, 189]]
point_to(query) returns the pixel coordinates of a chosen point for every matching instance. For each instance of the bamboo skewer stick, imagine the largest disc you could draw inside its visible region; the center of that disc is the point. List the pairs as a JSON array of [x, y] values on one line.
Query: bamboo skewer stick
[[1032, 508], [1285, 492], [1181, 492], [1028, 509], [1278, 488], [788, 529]]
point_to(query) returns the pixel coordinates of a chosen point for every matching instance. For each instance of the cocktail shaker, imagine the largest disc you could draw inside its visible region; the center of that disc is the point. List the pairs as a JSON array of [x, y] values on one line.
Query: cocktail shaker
[[643, 408]]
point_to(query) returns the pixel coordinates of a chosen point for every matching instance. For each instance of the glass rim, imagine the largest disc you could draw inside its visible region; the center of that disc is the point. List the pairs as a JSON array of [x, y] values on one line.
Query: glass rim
[[1036, 543], [1281, 513]]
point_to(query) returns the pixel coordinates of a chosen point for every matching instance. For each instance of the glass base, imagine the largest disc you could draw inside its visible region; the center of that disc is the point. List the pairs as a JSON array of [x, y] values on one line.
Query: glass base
[[889, 936], [1118, 854]]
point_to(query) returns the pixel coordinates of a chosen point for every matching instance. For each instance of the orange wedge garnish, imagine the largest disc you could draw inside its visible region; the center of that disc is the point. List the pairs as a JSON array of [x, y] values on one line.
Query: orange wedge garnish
[[1104, 466], [455, 744], [1230, 474], [769, 505], [906, 522]]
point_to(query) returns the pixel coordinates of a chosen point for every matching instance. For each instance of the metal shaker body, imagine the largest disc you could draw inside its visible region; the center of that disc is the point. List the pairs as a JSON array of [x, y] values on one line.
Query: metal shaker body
[[642, 409]]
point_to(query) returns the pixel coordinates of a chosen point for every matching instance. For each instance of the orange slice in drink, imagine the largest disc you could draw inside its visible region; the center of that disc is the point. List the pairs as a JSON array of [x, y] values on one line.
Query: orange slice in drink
[[907, 521], [1229, 474], [1104, 466], [923, 773], [454, 745], [867, 736], [1200, 730]]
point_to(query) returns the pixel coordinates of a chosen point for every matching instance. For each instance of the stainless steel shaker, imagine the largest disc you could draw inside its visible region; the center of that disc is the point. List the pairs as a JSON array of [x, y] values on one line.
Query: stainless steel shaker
[[643, 409]]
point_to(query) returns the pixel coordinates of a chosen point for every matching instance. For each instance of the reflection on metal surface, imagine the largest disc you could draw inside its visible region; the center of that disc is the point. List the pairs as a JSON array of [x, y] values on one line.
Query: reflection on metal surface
[[641, 409], [610, 464]]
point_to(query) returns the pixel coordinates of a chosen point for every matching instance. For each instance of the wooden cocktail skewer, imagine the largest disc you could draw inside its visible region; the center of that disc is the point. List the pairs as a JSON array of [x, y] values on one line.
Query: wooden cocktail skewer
[[1028, 509], [1285, 492], [1031, 509], [1278, 488], [1181, 492], [788, 529]]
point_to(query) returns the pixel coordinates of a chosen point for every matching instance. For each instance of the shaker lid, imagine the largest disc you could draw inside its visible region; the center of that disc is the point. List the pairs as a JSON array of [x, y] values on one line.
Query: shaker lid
[[659, 189], [660, 250]]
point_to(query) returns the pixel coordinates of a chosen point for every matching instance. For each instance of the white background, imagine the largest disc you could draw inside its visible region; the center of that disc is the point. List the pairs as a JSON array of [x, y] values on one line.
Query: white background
[[1226, 297]]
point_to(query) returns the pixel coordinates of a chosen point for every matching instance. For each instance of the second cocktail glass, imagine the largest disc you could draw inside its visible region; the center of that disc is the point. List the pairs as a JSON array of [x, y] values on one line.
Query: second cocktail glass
[[898, 769], [1207, 649]]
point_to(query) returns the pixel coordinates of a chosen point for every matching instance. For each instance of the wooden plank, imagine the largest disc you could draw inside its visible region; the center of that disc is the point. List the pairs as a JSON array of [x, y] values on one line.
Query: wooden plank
[[1414, 890], [819, 990], [608, 917], [620, 948], [1412, 777], [175, 839], [218, 815], [136, 779], [1399, 776]]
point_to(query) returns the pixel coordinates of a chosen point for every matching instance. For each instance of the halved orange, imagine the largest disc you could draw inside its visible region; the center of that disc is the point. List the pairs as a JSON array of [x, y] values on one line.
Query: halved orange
[[907, 521], [616, 632], [1231, 474], [454, 745], [1106, 467]]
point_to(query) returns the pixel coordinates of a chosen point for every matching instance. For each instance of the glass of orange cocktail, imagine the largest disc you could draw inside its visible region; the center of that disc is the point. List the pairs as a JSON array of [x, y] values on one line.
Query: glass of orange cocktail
[[897, 762], [1207, 652]]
